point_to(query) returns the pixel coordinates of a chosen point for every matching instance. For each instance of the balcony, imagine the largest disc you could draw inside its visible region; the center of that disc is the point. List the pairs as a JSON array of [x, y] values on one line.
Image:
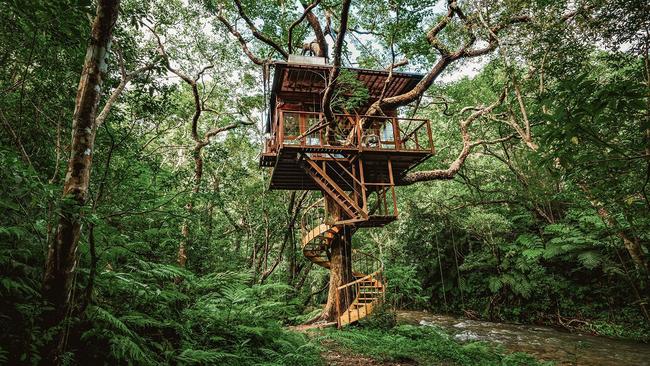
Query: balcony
[[298, 130]]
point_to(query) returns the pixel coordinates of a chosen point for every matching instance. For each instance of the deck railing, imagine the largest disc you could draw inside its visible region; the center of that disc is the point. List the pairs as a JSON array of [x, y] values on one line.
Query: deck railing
[[353, 132]]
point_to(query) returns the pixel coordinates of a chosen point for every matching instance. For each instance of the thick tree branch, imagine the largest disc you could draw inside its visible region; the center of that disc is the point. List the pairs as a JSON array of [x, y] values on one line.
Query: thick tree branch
[[244, 45], [256, 33], [126, 78], [305, 13], [336, 67], [447, 57], [468, 145]]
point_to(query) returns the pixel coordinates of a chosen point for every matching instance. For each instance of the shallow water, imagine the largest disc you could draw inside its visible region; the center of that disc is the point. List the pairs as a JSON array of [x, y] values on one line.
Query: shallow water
[[544, 342]]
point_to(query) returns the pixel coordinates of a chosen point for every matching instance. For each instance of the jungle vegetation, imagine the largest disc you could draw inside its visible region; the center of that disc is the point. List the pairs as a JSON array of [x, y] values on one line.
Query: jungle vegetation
[[137, 227]]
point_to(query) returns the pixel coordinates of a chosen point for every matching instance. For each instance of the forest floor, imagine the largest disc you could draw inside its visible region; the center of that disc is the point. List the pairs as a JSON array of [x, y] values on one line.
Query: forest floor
[[335, 355], [360, 346]]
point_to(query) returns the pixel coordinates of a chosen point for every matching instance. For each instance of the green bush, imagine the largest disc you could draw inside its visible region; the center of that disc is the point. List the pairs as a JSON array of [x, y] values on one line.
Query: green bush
[[382, 317]]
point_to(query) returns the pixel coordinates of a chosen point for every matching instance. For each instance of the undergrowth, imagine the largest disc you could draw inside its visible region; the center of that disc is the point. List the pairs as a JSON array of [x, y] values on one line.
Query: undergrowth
[[424, 345]]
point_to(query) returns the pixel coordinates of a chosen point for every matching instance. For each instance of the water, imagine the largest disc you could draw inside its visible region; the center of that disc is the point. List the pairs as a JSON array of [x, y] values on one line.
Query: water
[[543, 342]]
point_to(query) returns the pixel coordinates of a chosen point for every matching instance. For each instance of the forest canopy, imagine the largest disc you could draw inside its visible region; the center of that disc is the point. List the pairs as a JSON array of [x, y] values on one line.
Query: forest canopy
[[138, 226]]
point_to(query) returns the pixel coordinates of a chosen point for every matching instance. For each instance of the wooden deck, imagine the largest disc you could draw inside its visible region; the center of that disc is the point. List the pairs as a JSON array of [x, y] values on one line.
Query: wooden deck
[[388, 146]]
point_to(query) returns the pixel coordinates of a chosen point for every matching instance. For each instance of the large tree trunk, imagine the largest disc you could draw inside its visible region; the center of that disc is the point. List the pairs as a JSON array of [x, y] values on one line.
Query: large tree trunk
[[61, 256], [340, 267], [61, 252]]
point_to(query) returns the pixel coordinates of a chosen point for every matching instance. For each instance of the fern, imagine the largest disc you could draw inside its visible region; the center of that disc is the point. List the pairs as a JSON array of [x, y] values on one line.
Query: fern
[[102, 315], [590, 259], [204, 357], [127, 350]]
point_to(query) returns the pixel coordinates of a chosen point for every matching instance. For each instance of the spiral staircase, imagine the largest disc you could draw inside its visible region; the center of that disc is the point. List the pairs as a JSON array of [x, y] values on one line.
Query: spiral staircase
[[367, 288]]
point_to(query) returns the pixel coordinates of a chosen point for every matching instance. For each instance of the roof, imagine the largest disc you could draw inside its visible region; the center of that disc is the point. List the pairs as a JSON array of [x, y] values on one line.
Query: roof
[[311, 78]]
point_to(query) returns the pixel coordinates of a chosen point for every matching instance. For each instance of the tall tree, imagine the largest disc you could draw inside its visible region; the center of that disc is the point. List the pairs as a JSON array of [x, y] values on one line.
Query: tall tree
[[62, 251]]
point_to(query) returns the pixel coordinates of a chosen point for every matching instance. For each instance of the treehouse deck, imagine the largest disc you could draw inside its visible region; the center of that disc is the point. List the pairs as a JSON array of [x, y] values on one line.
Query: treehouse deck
[[387, 147], [356, 161]]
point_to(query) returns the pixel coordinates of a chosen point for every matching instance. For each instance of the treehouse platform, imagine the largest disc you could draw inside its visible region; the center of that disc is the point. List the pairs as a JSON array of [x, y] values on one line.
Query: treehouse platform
[[386, 145], [356, 160]]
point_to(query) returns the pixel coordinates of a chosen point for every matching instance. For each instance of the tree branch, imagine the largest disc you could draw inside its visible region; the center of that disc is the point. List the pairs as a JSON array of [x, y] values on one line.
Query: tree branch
[[256, 60], [126, 78], [336, 67], [256, 33], [306, 12], [468, 145]]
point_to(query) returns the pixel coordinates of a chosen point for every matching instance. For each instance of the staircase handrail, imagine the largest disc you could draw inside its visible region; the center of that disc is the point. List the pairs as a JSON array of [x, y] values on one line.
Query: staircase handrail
[[379, 270], [319, 203]]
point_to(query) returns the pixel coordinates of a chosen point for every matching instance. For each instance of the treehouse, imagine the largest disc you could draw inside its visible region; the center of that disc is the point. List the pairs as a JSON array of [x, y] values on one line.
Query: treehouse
[[356, 162]]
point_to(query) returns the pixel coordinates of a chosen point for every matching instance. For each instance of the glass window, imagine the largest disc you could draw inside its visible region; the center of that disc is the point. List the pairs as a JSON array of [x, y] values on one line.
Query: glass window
[[291, 126]]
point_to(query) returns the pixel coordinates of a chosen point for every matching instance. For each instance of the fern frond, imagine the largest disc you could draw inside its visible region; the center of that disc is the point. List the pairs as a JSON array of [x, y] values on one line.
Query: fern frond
[[100, 314], [204, 357]]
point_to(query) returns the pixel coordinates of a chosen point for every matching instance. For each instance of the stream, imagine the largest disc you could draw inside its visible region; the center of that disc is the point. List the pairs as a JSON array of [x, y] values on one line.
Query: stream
[[545, 343]]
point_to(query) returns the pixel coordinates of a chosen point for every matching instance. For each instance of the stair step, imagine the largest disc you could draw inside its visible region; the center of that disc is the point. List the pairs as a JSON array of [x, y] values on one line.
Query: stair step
[[360, 305]]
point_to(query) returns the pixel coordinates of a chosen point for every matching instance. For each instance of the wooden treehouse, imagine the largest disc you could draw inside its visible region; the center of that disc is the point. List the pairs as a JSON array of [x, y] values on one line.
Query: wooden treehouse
[[356, 166]]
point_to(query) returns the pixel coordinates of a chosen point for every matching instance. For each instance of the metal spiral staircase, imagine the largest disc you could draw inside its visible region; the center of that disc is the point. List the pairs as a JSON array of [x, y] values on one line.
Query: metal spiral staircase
[[368, 288]]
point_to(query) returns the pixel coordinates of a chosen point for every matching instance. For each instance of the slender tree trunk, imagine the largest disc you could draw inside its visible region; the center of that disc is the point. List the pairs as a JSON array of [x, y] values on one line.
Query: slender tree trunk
[[185, 228], [61, 256], [631, 243], [340, 267]]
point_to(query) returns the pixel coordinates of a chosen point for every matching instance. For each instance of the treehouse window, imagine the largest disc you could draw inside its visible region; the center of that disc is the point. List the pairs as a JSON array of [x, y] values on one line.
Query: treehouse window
[[387, 135], [291, 127], [312, 121]]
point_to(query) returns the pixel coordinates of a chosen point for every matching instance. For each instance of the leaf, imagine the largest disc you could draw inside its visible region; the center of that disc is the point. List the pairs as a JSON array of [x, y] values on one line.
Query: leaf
[[495, 284], [590, 259]]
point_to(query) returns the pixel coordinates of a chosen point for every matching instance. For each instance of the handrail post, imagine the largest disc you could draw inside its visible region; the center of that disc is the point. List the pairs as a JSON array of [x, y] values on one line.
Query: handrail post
[[281, 129], [433, 150], [392, 186], [363, 186], [358, 297], [359, 134], [396, 134]]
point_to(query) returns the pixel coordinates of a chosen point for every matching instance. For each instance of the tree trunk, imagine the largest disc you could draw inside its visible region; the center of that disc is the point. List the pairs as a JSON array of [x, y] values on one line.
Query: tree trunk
[[340, 267], [631, 243], [61, 256], [61, 252], [196, 187]]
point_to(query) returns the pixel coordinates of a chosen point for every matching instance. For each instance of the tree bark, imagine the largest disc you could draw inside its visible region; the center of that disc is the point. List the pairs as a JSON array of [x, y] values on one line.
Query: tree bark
[[630, 242], [61, 256], [61, 253], [340, 267]]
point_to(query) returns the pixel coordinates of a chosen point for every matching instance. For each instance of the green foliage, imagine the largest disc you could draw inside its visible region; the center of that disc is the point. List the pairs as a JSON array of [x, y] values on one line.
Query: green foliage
[[350, 93], [382, 317], [217, 318], [405, 290], [424, 345], [518, 235]]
